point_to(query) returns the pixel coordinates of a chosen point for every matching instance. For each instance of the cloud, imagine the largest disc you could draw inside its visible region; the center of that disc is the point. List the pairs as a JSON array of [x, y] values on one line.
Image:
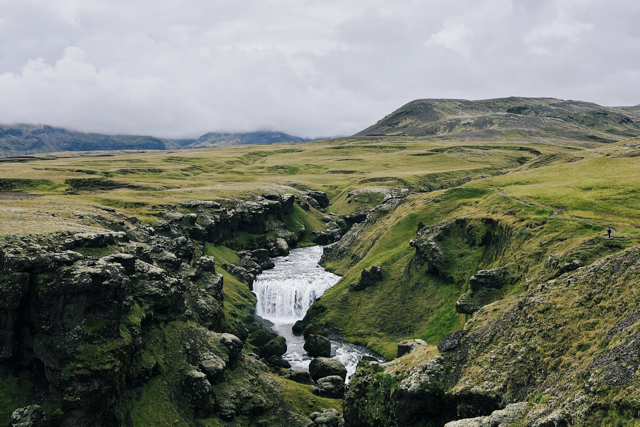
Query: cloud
[[313, 69], [453, 36]]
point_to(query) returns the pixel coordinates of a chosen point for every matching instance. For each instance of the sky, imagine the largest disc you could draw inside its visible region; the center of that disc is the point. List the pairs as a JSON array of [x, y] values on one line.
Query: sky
[[322, 68]]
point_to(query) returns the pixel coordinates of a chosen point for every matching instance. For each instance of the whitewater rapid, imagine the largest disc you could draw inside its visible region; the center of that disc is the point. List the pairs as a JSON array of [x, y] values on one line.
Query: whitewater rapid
[[284, 295]]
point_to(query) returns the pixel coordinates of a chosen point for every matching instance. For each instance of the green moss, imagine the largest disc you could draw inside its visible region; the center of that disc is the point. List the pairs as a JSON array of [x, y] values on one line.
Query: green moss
[[14, 394], [310, 220], [299, 396], [98, 252], [155, 407], [91, 326]]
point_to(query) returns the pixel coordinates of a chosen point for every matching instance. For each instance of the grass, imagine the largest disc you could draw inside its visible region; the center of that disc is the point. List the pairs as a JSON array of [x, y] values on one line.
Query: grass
[[299, 396], [476, 180]]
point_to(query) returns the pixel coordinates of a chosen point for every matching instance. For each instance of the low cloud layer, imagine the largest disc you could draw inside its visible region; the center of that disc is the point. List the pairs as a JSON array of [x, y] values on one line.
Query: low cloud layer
[[309, 68]]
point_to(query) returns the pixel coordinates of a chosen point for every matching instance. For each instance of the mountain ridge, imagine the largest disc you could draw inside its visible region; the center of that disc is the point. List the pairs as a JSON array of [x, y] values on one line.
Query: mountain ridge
[[534, 119], [28, 139]]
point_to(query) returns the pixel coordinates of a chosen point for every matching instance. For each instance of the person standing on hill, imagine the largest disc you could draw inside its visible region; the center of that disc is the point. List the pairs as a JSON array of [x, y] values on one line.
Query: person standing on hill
[[609, 232]]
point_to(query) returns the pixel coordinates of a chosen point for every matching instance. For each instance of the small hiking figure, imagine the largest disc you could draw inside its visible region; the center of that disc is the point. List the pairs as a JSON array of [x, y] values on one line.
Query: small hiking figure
[[609, 232]]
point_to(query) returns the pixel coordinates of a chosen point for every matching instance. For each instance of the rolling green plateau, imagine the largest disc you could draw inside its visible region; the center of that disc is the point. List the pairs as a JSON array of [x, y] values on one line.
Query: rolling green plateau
[[500, 297]]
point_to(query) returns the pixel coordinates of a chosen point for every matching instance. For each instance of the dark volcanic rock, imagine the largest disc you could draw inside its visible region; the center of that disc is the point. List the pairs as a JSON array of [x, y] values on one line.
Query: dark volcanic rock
[[487, 279], [317, 345], [320, 197], [450, 341], [323, 367]]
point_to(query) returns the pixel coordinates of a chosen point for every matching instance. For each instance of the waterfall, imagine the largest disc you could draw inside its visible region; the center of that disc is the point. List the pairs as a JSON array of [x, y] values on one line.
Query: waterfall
[[286, 292]]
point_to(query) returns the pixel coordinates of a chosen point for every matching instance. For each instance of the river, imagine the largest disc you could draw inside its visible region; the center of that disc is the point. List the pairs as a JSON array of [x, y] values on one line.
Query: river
[[286, 292]]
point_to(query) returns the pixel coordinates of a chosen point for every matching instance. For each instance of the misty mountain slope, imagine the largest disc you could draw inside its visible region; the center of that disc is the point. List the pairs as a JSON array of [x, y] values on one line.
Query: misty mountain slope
[[214, 139], [509, 118], [16, 140], [25, 139]]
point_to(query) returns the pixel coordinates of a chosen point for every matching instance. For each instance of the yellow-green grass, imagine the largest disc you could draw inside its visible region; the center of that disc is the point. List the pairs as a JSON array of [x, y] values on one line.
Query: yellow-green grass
[[411, 303]]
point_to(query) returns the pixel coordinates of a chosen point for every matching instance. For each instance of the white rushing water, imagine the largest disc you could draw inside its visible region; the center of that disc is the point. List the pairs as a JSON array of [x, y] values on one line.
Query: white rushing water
[[286, 292]]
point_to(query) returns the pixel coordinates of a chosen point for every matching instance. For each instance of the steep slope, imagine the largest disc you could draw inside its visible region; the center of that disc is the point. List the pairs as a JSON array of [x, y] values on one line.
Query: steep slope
[[213, 139], [564, 353], [510, 118]]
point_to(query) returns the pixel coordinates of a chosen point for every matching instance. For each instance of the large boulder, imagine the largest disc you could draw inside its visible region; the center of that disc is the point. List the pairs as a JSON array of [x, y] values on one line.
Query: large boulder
[[317, 345], [301, 377], [275, 347], [367, 278], [326, 418], [331, 387], [324, 367]]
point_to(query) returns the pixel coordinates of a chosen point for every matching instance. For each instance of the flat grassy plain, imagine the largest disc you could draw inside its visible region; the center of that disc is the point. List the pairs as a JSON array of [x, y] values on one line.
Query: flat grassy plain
[[547, 199]]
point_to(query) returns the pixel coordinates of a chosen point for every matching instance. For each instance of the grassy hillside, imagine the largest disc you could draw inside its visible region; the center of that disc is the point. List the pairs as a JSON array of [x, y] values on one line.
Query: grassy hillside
[[514, 186]]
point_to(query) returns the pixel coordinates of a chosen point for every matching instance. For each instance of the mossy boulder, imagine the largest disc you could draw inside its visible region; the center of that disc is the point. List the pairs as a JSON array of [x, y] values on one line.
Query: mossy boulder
[[275, 347], [331, 387], [317, 345], [324, 367]]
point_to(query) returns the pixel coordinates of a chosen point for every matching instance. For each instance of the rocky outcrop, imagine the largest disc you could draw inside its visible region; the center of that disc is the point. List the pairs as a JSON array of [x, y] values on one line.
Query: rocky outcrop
[[319, 197], [90, 318], [331, 387], [484, 279], [368, 278], [538, 359]]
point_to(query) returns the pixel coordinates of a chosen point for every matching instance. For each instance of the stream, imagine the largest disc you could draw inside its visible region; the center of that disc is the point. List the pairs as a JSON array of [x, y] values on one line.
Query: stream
[[286, 292]]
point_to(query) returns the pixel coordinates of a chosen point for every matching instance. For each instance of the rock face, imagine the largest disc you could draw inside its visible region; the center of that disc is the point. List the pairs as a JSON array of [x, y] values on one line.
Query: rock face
[[538, 359], [90, 332], [317, 345], [324, 367], [368, 278], [450, 341]]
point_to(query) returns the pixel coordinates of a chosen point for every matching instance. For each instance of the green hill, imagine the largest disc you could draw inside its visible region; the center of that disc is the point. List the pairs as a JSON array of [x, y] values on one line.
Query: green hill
[[535, 119]]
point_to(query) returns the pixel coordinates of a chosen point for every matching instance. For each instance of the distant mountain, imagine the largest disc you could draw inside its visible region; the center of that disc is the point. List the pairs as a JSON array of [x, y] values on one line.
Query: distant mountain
[[213, 139], [24, 139], [507, 118]]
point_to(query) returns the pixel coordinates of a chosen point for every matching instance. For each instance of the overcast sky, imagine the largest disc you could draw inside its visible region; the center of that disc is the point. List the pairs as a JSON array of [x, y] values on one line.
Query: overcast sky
[[318, 68]]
